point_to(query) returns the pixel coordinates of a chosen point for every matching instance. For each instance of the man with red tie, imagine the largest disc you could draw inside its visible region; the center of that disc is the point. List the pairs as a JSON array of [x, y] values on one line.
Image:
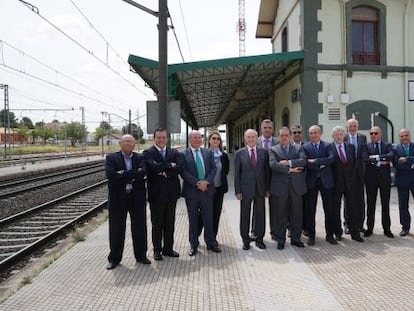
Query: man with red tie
[[378, 176]]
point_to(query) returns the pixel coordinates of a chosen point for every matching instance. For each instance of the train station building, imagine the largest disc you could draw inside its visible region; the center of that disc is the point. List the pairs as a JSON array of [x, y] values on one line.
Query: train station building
[[331, 60]]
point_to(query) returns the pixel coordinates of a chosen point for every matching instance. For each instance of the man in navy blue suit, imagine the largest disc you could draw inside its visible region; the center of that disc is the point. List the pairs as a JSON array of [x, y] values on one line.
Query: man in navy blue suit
[[404, 177], [126, 173], [378, 176], [198, 191], [163, 165], [319, 178]]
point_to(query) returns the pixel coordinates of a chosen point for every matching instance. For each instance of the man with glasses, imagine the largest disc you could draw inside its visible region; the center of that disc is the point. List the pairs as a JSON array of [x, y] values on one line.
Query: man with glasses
[[404, 177], [378, 175], [297, 135], [360, 143]]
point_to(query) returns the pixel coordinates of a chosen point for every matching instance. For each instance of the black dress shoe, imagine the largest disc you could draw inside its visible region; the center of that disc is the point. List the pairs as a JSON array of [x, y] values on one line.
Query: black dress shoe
[[274, 238], [171, 254], [368, 233], [388, 234], [404, 232], [297, 243], [144, 261], [338, 237], [331, 240], [260, 244], [347, 231], [357, 238], [305, 233], [280, 245], [157, 255], [192, 251], [362, 230], [111, 265], [311, 242], [246, 246], [214, 248]]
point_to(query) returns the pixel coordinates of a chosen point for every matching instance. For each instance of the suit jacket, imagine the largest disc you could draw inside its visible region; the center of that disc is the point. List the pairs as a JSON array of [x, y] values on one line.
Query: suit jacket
[[163, 182], [189, 173], [321, 167], [404, 172], [360, 154], [343, 174], [225, 167], [371, 169], [280, 174], [118, 177], [273, 142], [250, 181]]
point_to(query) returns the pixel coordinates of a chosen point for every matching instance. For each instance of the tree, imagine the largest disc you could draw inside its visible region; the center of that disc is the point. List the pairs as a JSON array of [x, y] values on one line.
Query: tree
[[137, 132], [23, 132], [74, 132], [105, 125], [27, 122], [12, 117]]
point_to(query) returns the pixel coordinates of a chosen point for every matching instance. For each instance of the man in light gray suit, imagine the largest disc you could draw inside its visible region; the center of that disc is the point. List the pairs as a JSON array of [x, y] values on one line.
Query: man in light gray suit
[[198, 191], [251, 184], [287, 186], [266, 141]]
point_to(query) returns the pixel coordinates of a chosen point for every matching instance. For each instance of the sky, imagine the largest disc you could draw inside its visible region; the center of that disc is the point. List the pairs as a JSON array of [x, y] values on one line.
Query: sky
[[50, 74]]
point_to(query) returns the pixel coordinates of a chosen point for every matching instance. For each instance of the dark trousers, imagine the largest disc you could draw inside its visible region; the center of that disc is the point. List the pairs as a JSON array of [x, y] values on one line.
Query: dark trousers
[[372, 186], [117, 226], [403, 197], [354, 212], [288, 208], [359, 196], [163, 225], [327, 203], [200, 204], [217, 207], [259, 221]]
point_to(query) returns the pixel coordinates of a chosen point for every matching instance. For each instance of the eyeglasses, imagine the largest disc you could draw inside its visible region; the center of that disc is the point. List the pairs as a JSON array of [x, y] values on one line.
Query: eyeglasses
[[297, 132], [373, 133], [215, 138]]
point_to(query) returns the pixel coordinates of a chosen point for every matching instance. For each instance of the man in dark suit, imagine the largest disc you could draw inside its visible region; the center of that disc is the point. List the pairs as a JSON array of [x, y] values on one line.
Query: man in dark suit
[[360, 144], [266, 141], [126, 173], [378, 175], [287, 187], [198, 191], [163, 165], [251, 185], [319, 178], [343, 169], [404, 177]]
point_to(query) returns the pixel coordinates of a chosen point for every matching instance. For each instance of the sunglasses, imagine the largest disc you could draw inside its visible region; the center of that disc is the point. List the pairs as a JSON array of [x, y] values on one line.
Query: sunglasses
[[373, 133], [215, 138], [297, 132]]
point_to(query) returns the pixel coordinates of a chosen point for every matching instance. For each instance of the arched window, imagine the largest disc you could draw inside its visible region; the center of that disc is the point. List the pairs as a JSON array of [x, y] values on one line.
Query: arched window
[[365, 49]]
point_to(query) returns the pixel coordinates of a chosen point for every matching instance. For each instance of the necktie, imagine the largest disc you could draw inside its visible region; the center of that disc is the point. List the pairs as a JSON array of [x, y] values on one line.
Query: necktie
[[199, 166], [377, 151], [162, 151], [342, 155], [253, 157], [286, 150], [406, 150], [266, 144], [316, 146]]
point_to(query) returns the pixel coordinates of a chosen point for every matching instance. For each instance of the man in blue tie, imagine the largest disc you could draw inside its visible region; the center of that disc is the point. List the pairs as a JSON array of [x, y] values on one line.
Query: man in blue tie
[[198, 191], [164, 164], [404, 177]]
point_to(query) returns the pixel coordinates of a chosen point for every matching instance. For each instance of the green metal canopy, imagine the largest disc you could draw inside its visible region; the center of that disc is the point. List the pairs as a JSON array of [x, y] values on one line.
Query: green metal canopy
[[221, 91]]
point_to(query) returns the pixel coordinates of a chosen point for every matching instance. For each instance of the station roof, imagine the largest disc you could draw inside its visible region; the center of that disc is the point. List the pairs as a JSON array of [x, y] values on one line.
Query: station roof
[[219, 91]]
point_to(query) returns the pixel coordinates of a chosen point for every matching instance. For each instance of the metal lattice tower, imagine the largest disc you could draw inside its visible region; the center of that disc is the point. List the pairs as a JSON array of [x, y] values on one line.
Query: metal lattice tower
[[83, 129], [242, 29]]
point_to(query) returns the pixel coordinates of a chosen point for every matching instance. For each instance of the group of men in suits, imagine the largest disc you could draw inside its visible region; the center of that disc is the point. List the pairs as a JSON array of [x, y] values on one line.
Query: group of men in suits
[[297, 172]]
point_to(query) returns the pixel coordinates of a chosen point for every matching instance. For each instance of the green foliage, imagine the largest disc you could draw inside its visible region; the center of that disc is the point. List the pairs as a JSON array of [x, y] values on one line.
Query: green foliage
[[27, 122], [75, 132], [12, 118]]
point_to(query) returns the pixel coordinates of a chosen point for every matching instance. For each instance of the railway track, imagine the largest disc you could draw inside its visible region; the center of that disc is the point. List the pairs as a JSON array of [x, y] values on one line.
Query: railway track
[[24, 233], [16, 187]]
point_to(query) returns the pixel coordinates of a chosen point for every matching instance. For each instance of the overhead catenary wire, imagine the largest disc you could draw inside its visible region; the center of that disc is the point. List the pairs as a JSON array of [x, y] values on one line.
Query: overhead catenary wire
[[176, 38], [35, 10], [185, 29]]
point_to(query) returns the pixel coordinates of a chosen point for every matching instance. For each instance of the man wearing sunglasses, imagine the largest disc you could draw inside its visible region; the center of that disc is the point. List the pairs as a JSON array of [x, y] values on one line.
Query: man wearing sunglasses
[[378, 176]]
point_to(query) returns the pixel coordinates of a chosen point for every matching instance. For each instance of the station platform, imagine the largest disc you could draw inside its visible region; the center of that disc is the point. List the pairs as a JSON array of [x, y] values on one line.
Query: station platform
[[374, 275]]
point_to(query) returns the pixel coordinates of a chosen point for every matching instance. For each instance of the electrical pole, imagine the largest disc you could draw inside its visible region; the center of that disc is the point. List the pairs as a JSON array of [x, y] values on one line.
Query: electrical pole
[[6, 119], [129, 123], [83, 130]]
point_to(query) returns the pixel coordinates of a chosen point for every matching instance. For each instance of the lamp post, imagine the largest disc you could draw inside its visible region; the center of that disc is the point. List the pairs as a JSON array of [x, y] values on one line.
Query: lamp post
[[104, 113], [162, 15]]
